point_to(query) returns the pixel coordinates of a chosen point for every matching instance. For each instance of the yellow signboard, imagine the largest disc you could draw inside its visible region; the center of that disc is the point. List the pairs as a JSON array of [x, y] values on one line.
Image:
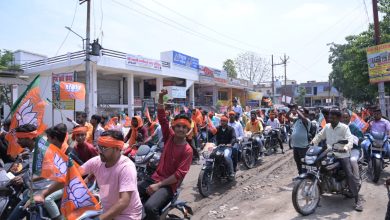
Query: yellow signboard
[[255, 95], [378, 59]]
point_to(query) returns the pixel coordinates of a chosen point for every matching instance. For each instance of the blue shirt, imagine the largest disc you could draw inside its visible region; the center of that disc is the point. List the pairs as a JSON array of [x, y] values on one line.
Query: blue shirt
[[299, 137]]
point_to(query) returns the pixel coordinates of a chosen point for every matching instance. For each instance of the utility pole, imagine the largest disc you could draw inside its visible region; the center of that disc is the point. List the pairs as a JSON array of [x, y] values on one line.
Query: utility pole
[[87, 57], [272, 65], [284, 62], [381, 85]]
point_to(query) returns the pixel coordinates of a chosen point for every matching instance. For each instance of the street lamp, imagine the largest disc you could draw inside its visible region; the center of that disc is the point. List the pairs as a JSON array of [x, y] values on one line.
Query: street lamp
[[83, 39]]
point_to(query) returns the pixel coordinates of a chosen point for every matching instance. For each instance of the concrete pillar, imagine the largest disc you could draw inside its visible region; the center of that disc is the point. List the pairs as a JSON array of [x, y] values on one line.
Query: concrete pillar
[[230, 97], [142, 89], [14, 93], [93, 94], [121, 93], [215, 95], [192, 95], [130, 94], [159, 84]]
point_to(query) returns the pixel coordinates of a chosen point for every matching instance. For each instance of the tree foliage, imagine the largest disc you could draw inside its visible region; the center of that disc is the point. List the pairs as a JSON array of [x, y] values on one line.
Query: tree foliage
[[252, 67], [301, 96], [230, 68], [349, 61], [6, 58]]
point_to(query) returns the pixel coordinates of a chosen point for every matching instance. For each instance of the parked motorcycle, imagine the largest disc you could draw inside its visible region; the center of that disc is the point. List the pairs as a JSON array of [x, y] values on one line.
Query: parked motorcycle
[[146, 161], [271, 143], [214, 167], [251, 149], [324, 175], [376, 154]]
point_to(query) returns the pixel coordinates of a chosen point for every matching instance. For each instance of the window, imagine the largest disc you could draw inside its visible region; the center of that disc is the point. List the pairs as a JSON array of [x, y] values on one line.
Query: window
[[314, 90], [222, 95], [308, 90]]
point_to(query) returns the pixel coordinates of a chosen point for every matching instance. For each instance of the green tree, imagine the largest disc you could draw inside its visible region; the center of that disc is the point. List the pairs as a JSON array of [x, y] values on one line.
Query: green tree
[[349, 61], [230, 68], [301, 96], [6, 58]]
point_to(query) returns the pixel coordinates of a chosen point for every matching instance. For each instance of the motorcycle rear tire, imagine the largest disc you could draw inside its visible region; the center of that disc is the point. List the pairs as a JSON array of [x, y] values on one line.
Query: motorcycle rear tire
[[204, 184], [249, 158], [377, 169]]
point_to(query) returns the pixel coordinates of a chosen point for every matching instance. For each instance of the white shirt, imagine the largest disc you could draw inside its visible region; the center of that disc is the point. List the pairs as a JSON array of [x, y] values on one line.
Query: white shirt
[[99, 130], [237, 128], [275, 124], [238, 109], [333, 135]]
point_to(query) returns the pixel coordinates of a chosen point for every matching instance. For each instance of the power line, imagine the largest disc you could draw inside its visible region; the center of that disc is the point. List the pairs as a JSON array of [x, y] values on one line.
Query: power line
[[365, 7], [71, 25], [204, 26], [101, 22], [181, 27]]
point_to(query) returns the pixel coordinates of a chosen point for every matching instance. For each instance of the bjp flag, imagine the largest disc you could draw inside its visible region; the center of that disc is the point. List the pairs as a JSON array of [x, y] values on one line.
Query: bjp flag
[[76, 198], [28, 109], [359, 122], [72, 90]]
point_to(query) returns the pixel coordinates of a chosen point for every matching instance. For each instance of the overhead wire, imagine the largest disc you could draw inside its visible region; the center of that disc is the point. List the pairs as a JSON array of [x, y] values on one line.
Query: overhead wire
[[181, 27], [101, 22], [206, 27]]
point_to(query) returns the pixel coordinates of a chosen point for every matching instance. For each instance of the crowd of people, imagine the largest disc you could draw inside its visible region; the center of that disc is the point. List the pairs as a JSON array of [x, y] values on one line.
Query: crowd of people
[[102, 147]]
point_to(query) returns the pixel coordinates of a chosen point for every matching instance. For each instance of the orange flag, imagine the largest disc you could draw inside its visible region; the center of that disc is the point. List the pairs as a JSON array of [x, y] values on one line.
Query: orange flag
[[76, 198], [359, 122], [54, 165], [72, 90], [147, 114], [28, 109]]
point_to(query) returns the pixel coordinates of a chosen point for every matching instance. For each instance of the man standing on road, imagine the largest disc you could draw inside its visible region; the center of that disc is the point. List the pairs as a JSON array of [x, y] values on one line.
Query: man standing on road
[[332, 133], [300, 138]]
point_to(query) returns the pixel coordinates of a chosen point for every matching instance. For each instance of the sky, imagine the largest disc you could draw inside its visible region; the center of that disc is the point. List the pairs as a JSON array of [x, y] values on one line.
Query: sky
[[210, 30]]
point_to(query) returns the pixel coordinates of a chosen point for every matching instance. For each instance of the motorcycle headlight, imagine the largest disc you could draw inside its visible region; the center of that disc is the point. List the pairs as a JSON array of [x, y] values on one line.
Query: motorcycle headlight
[[139, 159], [310, 159], [206, 154]]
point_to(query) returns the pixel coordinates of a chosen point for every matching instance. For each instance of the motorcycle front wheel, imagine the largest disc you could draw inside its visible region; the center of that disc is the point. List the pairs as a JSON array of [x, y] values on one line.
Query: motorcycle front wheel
[[376, 169], [306, 196], [204, 183], [248, 158]]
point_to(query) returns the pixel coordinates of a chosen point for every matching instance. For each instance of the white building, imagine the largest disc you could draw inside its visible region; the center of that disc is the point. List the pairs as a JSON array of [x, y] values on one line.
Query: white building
[[119, 81]]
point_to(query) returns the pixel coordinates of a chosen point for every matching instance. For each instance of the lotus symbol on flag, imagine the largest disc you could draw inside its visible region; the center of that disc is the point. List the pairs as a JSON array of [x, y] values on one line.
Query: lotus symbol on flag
[[78, 194], [60, 164], [25, 115]]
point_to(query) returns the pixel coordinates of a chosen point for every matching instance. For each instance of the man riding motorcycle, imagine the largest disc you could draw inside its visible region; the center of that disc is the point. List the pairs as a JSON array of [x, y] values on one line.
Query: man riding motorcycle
[[379, 125], [226, 135], [275, 124], [234, 123], [333, 133]]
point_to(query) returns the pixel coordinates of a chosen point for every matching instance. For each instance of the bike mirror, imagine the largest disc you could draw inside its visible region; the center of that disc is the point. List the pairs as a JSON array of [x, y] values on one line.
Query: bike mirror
[[343, 142]]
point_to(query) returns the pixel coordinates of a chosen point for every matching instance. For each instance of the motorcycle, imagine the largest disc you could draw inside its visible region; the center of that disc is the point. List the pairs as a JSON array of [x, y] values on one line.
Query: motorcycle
[[214, 167], [284, 135], [184, 209], [324, 175], [271, 143], [146, 161], [9, 194], [251, 149], [376, 154]]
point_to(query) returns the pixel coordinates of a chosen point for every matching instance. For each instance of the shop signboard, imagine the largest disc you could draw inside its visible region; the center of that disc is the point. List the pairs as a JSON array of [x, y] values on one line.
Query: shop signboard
[[206, 79], [253, 103], [235, 82], [378, 59], [185, 60], [218, 75], [176, 92], [139, 61], [255, 95], [56, 79]]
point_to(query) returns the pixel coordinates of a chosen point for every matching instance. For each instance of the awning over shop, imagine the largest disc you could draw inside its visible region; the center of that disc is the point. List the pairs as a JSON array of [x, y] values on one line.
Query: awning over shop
[[12, 81]]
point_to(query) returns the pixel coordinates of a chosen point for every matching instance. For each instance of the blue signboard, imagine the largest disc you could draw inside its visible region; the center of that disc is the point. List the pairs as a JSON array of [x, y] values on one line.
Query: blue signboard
[[184, 60]]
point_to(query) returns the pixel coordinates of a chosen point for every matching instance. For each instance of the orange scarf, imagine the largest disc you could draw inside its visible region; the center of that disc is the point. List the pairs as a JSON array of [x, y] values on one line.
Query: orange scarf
[[134, 131]]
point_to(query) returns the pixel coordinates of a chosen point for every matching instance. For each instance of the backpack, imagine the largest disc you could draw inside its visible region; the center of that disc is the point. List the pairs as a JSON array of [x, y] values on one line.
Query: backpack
[[312, 131]]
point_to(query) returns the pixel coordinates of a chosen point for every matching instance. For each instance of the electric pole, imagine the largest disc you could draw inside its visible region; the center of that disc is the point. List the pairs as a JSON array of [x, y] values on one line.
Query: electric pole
[[381, 85], [87, 58], [284, 62], [272, 65]]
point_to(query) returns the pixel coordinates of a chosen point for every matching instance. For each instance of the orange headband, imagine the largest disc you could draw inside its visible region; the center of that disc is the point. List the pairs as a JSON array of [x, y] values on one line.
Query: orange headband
[[224, 118], [181, 121], [29, 135], [108, 141], [80, 130], [232, 113]]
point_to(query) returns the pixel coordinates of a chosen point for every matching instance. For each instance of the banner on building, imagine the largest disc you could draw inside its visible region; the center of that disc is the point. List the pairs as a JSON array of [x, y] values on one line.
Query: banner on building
[[140, 61], [72, 90], [56, 79], [185, 60], [219, 76], [255, 95], [378, 59], [176, 92]]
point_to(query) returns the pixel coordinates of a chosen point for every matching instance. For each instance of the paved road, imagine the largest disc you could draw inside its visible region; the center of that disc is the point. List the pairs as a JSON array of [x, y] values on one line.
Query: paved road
[[265, 193]]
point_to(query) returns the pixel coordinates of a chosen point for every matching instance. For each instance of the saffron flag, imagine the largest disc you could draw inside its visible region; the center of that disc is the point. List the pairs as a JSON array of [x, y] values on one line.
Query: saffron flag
[[72, 90], [28, 109], [359, 122], [76, 198], [322, 120], [146, 112]]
